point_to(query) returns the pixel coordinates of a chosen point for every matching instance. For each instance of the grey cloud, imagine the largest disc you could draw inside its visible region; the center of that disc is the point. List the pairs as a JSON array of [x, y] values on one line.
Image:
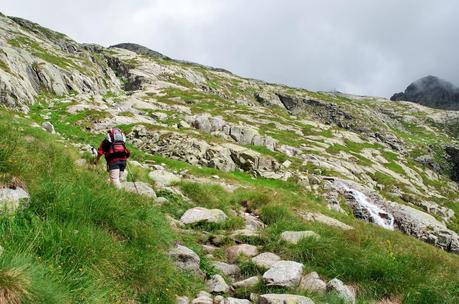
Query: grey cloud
[[357, 46]]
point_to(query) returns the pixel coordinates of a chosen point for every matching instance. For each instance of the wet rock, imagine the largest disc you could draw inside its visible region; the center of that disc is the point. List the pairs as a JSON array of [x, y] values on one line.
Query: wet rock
[[233, 252], [283, 299], [266, 259], [11, 199], [293, 237], [284, 273], [199, 214], [247, 283], [312, 283], [344, 292], [186, 259], [217, 284]]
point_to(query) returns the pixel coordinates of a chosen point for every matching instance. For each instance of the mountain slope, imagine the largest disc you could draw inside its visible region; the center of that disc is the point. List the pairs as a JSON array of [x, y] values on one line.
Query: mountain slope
[[432, 92], [373, 179]]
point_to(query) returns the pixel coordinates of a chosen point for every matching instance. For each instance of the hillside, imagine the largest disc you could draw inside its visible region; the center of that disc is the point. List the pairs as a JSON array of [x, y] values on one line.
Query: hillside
[[245, 191]]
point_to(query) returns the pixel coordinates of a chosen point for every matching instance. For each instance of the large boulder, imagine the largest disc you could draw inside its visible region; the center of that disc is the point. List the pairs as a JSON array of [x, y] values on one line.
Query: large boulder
[[343, 291], [186, 259], [11, 199], [293, 237], [284, 299], [199, 214], [233, 252], [284, 273], [266, 259]]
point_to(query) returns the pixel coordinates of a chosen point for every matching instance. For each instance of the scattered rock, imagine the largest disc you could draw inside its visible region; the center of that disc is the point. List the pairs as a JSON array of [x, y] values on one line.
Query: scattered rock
[[199, 214], [163, 178], [284, 273], [80, 162], [227, 269], [236, 301], [186, 259], [319, 217], [293, 237], [312, 283], [284, 299], [247, 283], [11, 199], [266, 259], [182, 300], [343, 291], [139, 188], [48, 127], [161, 200], [233, 252], [217, 284]]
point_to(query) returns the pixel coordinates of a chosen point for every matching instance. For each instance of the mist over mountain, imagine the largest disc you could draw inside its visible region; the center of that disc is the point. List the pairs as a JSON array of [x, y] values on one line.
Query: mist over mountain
[[432, 92]]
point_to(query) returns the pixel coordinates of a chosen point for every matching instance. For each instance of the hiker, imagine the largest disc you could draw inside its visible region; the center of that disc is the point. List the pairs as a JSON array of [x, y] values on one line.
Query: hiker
[[113, 147]]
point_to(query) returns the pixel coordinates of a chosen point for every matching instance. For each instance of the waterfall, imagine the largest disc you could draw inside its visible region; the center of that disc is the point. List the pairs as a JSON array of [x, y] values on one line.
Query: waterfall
[[377, 215]]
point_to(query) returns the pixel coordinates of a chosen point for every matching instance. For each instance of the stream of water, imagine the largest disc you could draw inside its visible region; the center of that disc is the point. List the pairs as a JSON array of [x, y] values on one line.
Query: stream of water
[[377, 215]]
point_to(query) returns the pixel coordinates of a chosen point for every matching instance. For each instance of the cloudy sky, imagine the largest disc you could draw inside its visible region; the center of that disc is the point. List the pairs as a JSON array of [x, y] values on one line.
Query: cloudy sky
[[368, 47]]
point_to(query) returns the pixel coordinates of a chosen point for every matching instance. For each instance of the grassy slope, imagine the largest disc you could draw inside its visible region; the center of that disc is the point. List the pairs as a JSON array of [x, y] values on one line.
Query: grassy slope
[[78, 242]]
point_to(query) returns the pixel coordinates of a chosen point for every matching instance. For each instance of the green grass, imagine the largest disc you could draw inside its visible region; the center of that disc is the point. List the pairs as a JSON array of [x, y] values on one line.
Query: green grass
[[5, 67], [395, 167], [79, 241]]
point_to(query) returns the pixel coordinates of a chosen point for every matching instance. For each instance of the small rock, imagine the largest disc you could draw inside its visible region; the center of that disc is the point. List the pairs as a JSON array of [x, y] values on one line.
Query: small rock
[[199, 214], [12, 199], [227, 269], [182, 300], [163, 178], [186, 259], [312, 282], [247, 283], [80, 162], [284, 273], [219, 300], [293, 237], [183, 125], [48, 127], [139, 188], [217, 284], [266, 259], [233, 252], [161, 200], [236, 301], [284, 299], [343, 291]]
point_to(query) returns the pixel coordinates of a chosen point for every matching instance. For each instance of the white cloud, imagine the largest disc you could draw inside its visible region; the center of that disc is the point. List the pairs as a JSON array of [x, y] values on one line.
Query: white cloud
[[367, 47]]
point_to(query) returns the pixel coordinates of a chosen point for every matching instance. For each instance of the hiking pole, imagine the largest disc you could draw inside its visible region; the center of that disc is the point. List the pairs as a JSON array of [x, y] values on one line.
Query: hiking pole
[[132, 177]]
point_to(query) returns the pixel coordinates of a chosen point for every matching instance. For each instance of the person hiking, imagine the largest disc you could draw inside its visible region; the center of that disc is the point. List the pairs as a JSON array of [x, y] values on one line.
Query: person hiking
[[113, 147]]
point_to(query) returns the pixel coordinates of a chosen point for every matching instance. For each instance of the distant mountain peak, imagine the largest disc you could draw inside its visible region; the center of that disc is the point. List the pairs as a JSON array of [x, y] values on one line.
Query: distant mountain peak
[[431, 91]]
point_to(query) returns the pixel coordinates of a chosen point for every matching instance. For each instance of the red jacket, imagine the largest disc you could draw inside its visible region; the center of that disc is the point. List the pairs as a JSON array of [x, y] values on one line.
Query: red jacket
[[105, 149]]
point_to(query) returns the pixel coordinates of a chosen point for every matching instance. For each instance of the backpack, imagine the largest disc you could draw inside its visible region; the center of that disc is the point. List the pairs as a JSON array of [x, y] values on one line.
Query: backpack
[[118, 142]]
